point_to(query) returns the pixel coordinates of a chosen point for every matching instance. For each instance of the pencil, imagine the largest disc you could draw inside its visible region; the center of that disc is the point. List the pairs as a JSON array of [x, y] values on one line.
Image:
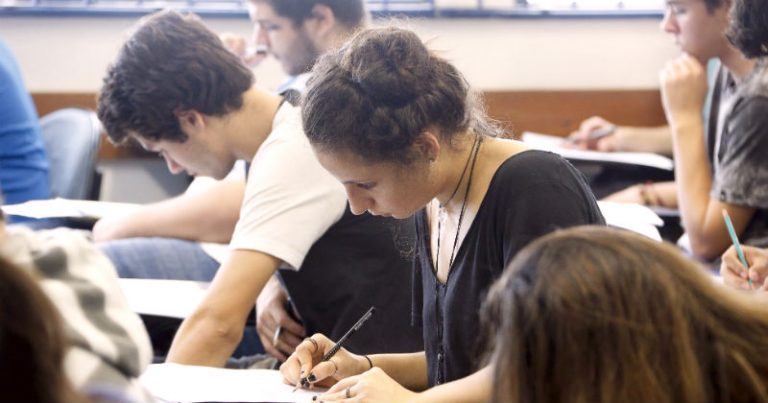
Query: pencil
[[736, 244]]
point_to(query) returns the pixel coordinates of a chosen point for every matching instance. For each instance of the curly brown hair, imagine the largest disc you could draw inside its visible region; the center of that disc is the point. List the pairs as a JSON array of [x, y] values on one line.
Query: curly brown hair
[[171, 62], [380, 91]]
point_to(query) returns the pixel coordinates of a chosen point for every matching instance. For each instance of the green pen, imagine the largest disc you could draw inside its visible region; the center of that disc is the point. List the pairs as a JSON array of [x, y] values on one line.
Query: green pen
[[735, 240]]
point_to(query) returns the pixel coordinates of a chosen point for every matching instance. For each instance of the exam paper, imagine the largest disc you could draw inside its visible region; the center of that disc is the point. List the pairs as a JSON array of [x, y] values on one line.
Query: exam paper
[[54, 208], [555, 144], [187, 383], [168, 298], [634, 217]]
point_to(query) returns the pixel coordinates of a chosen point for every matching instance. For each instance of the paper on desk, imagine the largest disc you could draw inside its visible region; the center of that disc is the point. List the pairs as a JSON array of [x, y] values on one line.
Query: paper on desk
[[634, 217], [169, 298], [59, 207], [555, 144], [186, 383]]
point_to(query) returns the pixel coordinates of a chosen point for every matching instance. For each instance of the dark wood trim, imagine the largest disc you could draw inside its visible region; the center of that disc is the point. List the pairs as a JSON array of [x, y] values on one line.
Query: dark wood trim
[[552, 112], [560, 112]]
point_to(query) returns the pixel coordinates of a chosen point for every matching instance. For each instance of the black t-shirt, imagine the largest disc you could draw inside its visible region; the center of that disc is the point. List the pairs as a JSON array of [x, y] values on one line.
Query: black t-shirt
[[531, 194], [358, 263]]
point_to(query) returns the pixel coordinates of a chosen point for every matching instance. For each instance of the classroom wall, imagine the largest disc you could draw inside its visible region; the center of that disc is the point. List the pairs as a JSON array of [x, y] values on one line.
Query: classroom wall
[[70, 54], [541, 75]]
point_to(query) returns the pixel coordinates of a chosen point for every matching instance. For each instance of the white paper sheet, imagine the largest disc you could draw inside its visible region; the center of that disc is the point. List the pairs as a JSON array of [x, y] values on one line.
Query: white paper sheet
[[634, 217], [186, 383], [555, 144], [68, 208], [169, 298]]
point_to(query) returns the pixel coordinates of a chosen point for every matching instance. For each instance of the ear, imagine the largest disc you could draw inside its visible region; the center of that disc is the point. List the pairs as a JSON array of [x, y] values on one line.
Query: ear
[[190, 121], [427, 146], [322, 23]]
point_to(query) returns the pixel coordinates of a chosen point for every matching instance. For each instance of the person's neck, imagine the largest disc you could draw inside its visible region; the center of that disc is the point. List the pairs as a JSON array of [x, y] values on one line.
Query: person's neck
[[250, 125], [451, 192], [738, 65]]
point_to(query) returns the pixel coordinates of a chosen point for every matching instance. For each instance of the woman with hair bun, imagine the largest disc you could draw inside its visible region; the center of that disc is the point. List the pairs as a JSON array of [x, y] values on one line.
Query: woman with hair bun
[[401, 129]]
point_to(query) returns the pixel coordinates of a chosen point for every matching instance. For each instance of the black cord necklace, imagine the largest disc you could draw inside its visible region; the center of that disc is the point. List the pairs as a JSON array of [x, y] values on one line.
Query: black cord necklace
[[473, 158]]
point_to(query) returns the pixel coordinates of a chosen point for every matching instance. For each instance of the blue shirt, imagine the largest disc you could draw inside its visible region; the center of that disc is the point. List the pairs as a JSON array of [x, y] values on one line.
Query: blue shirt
[[23, 163]]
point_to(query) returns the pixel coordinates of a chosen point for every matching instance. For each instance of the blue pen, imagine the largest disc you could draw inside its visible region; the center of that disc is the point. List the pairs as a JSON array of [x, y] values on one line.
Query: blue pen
[[735, 240]]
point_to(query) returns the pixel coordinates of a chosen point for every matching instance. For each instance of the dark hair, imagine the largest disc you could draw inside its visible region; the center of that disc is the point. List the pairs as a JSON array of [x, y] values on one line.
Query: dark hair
[[383, 89], [351, 13], [713, 5], [170, 63], [32, 343], [593, 314], [749, 27]]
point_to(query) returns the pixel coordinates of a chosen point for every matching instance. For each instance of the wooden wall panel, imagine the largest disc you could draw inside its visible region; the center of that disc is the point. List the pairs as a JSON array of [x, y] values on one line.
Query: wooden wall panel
[[552, 112], [560, 112]]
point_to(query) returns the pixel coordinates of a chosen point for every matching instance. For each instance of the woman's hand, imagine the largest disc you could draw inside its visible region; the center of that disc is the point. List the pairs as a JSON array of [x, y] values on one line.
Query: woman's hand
[[371, 386], [734, 273], [305, 366]]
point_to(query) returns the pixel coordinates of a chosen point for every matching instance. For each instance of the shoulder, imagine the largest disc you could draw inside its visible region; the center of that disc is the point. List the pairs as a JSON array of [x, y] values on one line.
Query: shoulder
[[533, 166], [756, 83]]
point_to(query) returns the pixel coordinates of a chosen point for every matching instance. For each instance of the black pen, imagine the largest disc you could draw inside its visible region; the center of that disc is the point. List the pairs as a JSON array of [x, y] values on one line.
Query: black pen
[[339, 344]]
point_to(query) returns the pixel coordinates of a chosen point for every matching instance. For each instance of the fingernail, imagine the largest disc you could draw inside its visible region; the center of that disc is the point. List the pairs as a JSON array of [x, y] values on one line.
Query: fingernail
[[311, 377]]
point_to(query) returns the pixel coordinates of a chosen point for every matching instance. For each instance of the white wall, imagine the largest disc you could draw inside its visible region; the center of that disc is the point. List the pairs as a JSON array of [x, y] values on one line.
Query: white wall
[[66, 54]]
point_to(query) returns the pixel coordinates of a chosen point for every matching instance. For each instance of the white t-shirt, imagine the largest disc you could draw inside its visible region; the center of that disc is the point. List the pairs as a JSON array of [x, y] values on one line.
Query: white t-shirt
[[290, 199]]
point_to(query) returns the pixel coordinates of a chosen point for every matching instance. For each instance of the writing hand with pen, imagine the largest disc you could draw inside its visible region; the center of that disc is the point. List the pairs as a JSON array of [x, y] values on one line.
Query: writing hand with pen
[[306, 367], [736, 275], [351, 377], [595, 133]]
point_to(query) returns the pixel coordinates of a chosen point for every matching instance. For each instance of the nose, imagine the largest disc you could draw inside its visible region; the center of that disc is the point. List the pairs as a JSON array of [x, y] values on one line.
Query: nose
[[260, 37], [173, 166], [668, 23], [358, 203]]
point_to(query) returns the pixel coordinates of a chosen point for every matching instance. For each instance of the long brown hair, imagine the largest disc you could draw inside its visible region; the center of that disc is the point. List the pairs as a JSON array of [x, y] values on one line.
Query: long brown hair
[[32, 343], [593, 314]]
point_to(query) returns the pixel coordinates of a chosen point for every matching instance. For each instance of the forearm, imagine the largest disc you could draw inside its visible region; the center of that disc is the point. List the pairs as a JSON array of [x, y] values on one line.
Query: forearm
[[646, 139], [205, 340], [207, 216], [211, 333], [474, 388], [408, 369], [698, 212]]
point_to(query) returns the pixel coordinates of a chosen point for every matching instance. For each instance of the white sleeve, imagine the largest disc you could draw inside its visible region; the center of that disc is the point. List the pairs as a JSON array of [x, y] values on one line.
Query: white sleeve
[[290, 199]]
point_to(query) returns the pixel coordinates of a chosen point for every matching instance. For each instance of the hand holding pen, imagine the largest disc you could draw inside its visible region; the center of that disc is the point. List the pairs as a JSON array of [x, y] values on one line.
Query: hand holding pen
[[593, 134], [320, 361]]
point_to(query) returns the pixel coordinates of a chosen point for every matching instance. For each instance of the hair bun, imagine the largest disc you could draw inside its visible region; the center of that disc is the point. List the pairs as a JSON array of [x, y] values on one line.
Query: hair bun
[[390, 65]]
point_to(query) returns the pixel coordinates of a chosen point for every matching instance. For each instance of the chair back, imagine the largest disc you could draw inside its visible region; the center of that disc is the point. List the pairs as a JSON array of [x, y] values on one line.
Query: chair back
[[72, 137]]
